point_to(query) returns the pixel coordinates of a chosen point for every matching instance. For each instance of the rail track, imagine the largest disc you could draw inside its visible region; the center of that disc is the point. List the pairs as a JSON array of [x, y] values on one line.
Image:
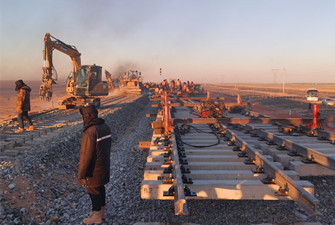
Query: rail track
[[244, 156], [48, 124]]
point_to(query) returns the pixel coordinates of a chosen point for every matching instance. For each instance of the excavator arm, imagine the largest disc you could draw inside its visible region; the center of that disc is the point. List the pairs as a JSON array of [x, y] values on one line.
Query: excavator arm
[[111, 85], [48, 78]]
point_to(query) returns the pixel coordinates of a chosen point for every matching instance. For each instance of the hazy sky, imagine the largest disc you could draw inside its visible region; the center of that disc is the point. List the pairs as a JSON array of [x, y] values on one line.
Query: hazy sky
[[200, 40]]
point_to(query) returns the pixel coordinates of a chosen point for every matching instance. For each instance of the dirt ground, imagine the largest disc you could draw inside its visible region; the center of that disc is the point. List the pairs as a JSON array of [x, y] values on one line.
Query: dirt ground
[[8, 97]]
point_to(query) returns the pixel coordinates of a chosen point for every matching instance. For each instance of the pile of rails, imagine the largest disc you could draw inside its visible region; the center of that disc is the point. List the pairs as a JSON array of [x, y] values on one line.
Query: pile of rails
[[218, 154]]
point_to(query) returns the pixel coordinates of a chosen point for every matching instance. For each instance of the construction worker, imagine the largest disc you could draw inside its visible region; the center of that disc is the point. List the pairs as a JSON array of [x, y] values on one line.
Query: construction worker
[[94, 164], [191, 87], [172, 86], [178, 85], [185, 88], [23, 105], [165, 85]]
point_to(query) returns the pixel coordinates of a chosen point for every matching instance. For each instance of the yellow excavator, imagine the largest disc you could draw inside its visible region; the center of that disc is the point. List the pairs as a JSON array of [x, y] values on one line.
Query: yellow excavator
[[83, 85]]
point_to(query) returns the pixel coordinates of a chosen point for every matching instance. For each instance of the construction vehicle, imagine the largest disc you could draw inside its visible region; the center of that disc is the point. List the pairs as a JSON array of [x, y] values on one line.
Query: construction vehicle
[[312, 94], [84, 84], [130, 83], [112, 83]]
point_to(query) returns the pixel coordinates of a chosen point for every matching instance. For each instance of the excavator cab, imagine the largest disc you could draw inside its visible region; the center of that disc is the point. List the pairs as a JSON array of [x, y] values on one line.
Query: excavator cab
[[87, 82]]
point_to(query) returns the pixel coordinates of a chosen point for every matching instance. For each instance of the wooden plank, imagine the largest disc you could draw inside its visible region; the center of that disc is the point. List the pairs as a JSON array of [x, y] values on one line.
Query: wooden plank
[[144, 144]]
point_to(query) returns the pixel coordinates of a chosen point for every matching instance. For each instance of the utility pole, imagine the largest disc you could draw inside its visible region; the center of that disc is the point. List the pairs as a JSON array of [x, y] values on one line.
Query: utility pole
[[284, 78], [275, 71]]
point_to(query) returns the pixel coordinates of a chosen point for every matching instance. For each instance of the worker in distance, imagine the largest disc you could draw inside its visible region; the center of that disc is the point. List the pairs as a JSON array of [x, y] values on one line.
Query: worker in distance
[[23, 105]]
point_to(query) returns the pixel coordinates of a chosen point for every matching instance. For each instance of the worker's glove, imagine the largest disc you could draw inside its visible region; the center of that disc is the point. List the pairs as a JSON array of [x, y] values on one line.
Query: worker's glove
[[82, 182]]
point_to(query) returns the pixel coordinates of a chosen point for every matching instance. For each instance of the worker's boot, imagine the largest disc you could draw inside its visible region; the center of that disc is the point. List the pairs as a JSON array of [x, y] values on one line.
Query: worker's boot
[[20, 130], [95, 218], [103, 215], [31, 128]]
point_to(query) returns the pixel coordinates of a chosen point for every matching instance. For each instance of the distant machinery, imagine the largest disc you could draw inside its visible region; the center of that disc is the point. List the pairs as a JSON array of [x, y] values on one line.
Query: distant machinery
[[130, 83]]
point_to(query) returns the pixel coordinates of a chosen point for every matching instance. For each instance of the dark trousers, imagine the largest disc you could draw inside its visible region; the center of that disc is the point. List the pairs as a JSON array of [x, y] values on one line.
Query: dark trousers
[[98, 197], [21, 117]]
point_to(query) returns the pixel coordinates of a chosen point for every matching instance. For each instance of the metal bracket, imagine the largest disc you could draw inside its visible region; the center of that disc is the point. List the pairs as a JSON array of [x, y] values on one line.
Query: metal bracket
[[183, 161], [170, 192], [182, 154], [312, 132], [187, 180], [167, 154], [226, 138], [283, 191], [188, 192], [268, 180], [246, 131], [168, 169], [223, 135], [168, 161], [261, 138], [282, 147], [270, 142], [167, 149], [253, 134], [242, 154], [180, 148], [231, 143], [258, 169], [249, 161], [236, 148], [156, 141], [309, 160], [184, 169], [293, 153], [168, 180]]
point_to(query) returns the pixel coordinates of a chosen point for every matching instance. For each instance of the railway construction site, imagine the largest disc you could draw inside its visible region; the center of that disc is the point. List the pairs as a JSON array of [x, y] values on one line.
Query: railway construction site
[[246, 154]]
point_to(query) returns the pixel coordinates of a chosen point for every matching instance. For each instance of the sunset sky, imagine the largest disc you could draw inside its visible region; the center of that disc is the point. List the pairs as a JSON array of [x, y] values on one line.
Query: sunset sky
[[200, 40]]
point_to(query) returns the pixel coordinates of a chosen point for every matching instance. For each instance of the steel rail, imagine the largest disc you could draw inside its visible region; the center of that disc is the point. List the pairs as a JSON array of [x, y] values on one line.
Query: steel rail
[[180, 204], [304, 151], [327, 135], [188, 104], [242, 121], [304, 199]]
